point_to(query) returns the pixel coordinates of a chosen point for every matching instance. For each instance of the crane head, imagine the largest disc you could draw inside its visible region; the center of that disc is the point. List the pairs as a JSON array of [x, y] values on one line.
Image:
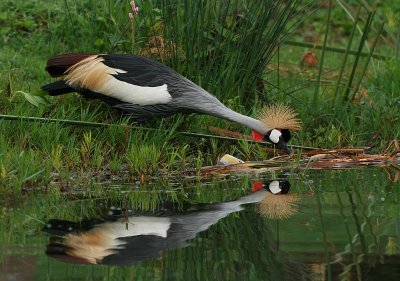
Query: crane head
[[280, 119], [278, 137]]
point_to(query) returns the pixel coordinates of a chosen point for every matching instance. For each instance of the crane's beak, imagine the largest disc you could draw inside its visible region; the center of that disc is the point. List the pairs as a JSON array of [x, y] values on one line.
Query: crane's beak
[[283, 145]]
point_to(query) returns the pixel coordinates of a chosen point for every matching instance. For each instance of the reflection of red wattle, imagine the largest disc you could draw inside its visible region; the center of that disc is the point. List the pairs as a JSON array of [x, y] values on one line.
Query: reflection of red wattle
[[257, 136], [257, 185]]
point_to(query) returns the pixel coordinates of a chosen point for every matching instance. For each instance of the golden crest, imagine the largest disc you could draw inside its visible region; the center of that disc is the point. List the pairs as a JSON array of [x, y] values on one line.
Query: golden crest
[[280, 116]]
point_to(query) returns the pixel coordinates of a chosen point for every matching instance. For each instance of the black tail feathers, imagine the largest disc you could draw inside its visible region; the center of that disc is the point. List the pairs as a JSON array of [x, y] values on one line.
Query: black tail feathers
[[57, 66], [57, 88]]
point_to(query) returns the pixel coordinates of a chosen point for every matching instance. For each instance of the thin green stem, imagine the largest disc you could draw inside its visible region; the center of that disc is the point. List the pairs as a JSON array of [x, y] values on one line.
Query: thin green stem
[[335, 49], [324, 236], [396, 50], [369, 58], [328, 23], [360, 47], [132, 37], [346, 55]]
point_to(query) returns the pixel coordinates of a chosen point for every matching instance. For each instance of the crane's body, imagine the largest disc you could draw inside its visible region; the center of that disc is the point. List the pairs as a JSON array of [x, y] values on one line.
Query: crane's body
[[142, 88]]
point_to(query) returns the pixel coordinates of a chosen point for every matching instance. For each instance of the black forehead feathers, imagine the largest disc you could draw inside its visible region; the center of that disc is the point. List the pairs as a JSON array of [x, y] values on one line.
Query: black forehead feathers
[[266, 136], [285, 186], [286, 135]]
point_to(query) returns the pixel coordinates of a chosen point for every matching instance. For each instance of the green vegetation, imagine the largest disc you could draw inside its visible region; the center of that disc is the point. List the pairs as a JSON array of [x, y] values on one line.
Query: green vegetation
[[79, 157], [235, 49]]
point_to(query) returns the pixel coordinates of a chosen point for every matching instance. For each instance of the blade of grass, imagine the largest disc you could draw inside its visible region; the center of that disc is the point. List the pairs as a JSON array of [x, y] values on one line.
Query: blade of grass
[[368, 59], [364, 37], [34, 175], [220, 38], [396, 49], [365, 5], [335, 49], [321, 65], [346, 55]]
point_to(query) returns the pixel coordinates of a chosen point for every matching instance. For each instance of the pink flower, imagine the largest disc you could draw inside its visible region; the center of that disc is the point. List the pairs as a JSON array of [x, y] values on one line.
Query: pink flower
[[135, 10]]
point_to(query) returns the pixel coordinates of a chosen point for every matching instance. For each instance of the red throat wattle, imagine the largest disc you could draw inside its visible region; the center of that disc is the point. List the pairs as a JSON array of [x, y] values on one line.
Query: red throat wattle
[[257, 136], [257, 185]]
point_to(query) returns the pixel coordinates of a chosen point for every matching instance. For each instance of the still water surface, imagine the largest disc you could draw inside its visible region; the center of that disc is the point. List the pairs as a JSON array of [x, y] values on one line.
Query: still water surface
[[330, 225]]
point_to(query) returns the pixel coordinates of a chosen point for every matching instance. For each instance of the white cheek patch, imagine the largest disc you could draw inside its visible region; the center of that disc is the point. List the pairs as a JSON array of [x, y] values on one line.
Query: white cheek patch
[[274, 187], [274, 136]]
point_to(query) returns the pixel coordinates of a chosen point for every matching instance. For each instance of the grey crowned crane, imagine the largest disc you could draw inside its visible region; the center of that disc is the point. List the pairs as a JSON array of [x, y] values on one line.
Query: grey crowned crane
[[128, 237], [144, 89]]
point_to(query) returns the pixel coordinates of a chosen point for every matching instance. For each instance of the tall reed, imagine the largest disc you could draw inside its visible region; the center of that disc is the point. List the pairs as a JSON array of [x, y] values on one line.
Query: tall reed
[[222, 45]]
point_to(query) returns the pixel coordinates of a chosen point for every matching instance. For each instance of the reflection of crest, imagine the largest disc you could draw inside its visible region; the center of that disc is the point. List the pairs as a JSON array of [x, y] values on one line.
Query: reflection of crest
[[279, 207]]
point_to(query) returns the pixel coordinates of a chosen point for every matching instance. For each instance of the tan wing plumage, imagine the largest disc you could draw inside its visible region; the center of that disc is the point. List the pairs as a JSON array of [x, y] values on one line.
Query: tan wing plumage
[[92, 74], [89, 73], [280, 116]]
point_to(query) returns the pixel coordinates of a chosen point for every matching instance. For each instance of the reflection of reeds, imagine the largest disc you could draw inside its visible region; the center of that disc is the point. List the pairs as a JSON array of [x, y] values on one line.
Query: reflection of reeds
[[279, 207], [392, 247]]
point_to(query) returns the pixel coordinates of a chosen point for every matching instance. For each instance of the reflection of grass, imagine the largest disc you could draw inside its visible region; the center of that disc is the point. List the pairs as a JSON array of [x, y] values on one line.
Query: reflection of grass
[[392, 247]]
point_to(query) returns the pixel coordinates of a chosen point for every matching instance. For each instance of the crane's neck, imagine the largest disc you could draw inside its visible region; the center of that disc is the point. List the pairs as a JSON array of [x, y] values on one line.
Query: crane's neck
[[226, 113], [199, 100]]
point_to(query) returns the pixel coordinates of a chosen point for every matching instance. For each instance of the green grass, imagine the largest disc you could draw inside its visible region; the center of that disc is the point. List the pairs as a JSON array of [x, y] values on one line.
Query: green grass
[[229, 49]]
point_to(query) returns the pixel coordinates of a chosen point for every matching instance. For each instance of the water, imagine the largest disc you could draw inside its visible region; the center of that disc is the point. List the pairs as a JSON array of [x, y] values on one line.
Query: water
[[341, 225]]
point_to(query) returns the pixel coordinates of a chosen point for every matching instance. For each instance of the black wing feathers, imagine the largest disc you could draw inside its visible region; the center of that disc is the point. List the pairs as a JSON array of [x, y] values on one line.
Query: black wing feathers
[[60, 88], [57, 88], [57, 65], [141, 71]]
